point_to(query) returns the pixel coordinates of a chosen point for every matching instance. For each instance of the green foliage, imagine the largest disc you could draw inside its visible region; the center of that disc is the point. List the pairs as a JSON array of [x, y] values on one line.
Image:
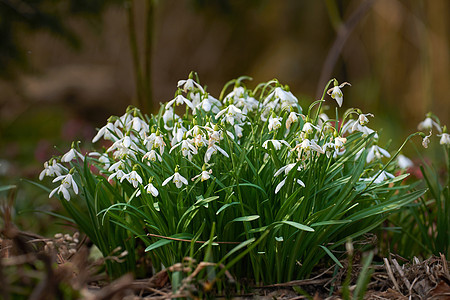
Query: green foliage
[[248, 179], [422, 228]]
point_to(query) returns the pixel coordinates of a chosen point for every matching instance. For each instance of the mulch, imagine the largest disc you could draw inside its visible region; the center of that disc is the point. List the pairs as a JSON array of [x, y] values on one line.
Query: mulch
[[35, 268]]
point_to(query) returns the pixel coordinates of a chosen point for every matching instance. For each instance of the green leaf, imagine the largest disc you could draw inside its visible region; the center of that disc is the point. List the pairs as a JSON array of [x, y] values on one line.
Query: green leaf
[[160, 243], [225, 206], [331, 255], [297, 225], [246, 218]]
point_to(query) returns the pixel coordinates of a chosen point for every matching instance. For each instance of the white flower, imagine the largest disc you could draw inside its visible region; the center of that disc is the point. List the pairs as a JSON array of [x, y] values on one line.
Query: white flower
[[66, 183], [292, 118], [55, 169], [71, 154], [286, 169], [187, 149], [119, 174], [179, 100], [108, 132], [177, 179], [404, 162], [428, 124], [308, 145], [276, 144], [169, 115], [231, 114], [336, 92], [374, 152], [379, 178], [274, 123], [150, 189], [103, 158], [445, 139], [189, 85], [362, 120], [159, 143], [138, 124], [339, 142], [210, 104], [309, 128], [205, 175], [426, 140], [152, 155], [285, 96], [133, 178], [212, 149]]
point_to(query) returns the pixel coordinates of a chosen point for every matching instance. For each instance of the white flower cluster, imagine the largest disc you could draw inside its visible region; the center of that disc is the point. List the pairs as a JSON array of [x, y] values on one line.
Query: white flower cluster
[[153, 153]]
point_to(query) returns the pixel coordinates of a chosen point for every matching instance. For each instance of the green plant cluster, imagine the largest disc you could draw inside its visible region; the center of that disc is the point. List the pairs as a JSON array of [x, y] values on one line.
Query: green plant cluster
[[249, 180]]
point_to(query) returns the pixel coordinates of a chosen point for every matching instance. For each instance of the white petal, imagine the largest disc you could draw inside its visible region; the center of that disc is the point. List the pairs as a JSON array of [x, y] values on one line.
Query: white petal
[[167, 180], [74, 186], [280, 185]]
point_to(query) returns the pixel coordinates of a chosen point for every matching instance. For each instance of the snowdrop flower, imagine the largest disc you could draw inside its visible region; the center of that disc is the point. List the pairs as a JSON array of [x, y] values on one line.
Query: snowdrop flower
[[108, 132], [374, 152], [308, 128], [212, 149], [428, 124], [276, 144], [292, 118], [190, 84], [66, 183], [103, 158], [205, 175], [339, 142], [362, 120], [210, 104], [152, 155], [138, 124], [55, 169], [168, 116], [445, 139], [336, 92], [274, 122], [179, 100], [150, 189], [238, 130], [285, 96], [177, 133], [119, 174], [123, 120], [177, 179], [379, 178], [404, 162], [159, 143], [133, 177], [426, 140], [286, 169], [308, 145], [71, 154], [231, 114], [187, 149]]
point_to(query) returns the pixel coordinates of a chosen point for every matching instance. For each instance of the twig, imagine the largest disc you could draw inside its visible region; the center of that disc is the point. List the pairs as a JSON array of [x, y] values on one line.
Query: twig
[[402, 275], [444, 264], [391, 274]]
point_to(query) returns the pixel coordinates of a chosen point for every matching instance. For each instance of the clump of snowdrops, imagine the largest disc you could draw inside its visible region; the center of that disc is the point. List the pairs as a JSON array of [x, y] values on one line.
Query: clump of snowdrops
[[249, 177]]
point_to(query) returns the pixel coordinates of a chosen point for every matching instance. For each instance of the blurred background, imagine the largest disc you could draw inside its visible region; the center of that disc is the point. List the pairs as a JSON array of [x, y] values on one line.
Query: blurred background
[[67, 65]]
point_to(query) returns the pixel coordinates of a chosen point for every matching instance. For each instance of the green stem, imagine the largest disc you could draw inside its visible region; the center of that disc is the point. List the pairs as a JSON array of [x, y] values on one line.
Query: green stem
[[323, 96]]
